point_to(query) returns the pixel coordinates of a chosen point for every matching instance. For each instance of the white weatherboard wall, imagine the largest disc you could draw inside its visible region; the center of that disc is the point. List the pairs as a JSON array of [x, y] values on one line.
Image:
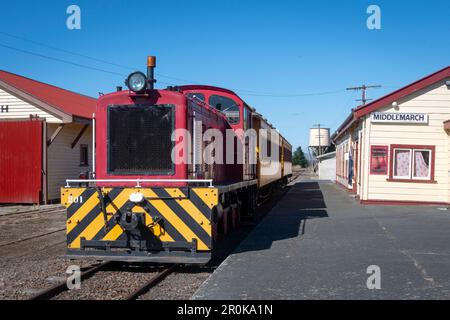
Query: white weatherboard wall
[[63, 161], [19, 109], [435, 101], [341, 164]]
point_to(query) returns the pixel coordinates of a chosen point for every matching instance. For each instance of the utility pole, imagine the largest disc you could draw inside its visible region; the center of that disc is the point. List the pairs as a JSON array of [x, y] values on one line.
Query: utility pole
[[363, 89]]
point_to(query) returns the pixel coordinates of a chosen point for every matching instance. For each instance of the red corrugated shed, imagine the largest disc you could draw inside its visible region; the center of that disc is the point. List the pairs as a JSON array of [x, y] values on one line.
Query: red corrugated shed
[[20, 179], [67, 101]]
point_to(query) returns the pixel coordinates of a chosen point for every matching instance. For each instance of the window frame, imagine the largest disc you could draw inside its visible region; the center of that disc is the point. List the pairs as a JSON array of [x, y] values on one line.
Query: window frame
[[269, 143], [82, 163], [236, 103], [412, 149], [414, 164], [409, 176]]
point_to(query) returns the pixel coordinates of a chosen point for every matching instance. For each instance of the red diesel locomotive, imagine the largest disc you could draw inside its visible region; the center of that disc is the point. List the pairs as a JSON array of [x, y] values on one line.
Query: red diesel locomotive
[[155, 195]]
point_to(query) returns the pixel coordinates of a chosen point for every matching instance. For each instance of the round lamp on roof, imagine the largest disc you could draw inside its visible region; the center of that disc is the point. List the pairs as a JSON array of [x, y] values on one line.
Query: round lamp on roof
[[137, 82]]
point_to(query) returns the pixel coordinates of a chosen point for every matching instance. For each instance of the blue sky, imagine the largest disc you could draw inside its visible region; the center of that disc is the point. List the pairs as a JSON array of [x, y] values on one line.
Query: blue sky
[[270, 52]]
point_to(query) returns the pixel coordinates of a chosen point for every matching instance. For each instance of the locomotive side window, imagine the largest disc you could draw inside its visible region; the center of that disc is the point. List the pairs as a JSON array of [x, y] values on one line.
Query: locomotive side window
[[247, 117], [228, 106], [139, 139]]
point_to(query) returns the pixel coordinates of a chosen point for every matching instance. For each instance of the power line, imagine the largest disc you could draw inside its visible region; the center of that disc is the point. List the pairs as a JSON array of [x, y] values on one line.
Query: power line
[[287, 95], [129, 68], [70, 62], [241, 91], [65, 51], [60, 60]]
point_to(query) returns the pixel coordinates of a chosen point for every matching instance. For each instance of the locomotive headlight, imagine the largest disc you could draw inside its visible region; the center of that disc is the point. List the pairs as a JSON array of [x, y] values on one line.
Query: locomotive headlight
[[136, 197], [137, 82]]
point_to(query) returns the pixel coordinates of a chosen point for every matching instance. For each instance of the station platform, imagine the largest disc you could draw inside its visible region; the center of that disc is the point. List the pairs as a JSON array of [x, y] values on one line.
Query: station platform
[[318, 242]]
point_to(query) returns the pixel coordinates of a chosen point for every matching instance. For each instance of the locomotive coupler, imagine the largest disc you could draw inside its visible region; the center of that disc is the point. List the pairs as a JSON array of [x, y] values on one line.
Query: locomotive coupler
[[129, 221]]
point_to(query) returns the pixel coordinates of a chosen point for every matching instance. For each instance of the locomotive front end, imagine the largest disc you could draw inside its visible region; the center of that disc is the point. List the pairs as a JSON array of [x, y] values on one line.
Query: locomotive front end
[[142, 224], [140, 204]]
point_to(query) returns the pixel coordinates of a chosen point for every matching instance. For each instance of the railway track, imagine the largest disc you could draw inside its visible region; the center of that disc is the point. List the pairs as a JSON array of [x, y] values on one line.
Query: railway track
[[33, 211], [56, 289], [95, 284], [22, 217], [60, 287], [32, 237], [151, 283]]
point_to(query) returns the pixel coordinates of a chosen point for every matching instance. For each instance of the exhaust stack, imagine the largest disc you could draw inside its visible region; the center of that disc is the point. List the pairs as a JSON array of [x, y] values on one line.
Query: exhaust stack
[[151, 64]]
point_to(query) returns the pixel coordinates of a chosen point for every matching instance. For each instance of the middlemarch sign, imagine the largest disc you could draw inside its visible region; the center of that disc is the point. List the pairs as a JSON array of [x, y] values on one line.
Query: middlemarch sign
[[384, 117]]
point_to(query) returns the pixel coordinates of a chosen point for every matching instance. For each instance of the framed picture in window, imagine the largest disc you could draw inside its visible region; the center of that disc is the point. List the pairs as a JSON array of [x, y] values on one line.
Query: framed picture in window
[[379, 160]]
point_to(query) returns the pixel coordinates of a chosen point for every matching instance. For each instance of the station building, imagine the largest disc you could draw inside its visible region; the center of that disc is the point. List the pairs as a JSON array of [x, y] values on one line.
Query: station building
[[45, 138], [396, 150]]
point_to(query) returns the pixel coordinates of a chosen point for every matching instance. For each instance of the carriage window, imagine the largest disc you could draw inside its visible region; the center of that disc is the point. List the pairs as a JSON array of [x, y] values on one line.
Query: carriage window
[[269, 144], [228, 106]]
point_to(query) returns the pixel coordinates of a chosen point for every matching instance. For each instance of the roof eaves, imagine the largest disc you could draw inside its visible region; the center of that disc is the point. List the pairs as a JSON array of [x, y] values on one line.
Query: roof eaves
[[345, 125], [65, 117], [46, 84], [403, 92]]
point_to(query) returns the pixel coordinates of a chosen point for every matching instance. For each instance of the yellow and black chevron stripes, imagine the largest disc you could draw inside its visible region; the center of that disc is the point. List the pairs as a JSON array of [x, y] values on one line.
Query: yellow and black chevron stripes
[[184, 214]]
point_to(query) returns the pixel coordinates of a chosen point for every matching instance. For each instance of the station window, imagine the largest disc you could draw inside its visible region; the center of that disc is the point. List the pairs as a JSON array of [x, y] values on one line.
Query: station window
[[379, 160], [228, 106], [84, 155], [412, 163]]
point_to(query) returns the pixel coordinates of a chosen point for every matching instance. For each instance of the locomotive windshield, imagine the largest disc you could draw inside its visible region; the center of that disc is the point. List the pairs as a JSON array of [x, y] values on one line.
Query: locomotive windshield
[[228, 106], [139, 139], [199, 96]]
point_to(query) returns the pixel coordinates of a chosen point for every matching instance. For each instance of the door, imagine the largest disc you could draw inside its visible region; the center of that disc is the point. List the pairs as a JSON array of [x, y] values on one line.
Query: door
[[350, 168], [21, 156], [356, 175]]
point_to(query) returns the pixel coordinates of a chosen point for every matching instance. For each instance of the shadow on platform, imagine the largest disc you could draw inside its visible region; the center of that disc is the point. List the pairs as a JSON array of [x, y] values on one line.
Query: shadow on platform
[[288, 219]]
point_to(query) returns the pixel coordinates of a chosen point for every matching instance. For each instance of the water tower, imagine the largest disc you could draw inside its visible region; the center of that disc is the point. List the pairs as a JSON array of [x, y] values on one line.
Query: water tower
[[319, 142]]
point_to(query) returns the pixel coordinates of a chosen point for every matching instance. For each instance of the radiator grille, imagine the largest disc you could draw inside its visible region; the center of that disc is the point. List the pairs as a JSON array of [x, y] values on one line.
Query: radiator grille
[[139, 139]]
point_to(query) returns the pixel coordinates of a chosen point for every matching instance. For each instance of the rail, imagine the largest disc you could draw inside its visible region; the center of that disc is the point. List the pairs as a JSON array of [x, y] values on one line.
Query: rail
[[139, 181], [56, 289], [151, 283]]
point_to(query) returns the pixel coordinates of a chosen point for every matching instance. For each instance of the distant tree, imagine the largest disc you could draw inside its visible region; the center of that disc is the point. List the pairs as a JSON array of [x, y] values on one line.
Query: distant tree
[[299, 158]]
